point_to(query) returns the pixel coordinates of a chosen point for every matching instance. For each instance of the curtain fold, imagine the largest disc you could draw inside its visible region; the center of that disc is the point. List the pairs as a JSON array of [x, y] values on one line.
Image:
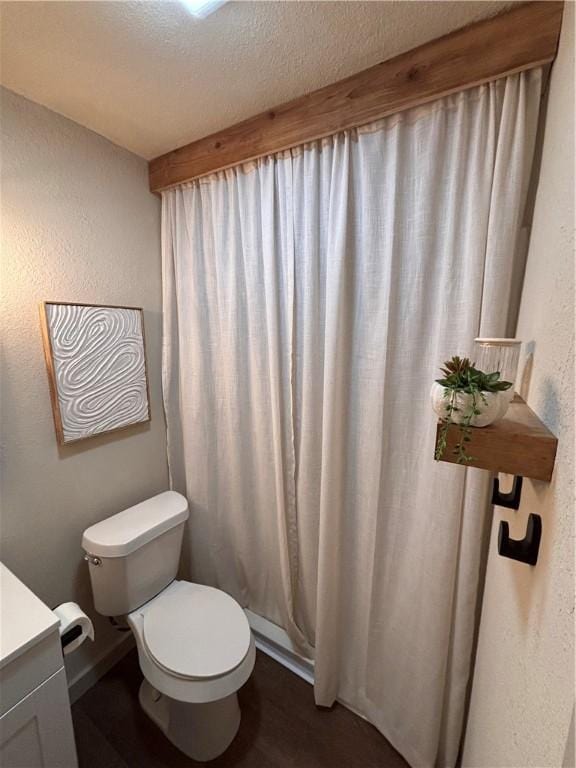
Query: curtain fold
[[309, 298]]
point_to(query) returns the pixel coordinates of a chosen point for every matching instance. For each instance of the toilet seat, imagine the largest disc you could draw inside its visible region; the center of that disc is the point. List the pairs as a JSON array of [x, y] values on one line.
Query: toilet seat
[[171, 682], [195, 632]]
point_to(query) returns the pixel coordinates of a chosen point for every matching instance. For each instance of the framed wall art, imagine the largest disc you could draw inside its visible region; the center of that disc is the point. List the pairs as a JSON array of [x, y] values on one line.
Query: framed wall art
[[96, 363]]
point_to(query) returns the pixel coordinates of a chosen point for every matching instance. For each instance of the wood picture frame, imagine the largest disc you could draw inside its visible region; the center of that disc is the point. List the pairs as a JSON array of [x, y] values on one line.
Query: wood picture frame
[[97, 368]]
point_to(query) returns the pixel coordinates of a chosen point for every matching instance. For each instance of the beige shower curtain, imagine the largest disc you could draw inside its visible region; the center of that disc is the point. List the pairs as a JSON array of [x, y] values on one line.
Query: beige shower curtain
[[309, 299]]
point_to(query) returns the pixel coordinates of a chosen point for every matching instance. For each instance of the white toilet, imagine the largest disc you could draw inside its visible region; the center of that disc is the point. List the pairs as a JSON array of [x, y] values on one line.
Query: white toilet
[[194, 642]]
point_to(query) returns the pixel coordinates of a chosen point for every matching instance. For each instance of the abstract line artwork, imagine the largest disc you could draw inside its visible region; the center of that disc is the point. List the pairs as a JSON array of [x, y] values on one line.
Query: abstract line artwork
[[96, 362]]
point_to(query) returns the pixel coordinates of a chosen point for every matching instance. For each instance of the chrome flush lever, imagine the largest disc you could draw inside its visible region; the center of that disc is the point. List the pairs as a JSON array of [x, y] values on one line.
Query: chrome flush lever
[[93, 560]]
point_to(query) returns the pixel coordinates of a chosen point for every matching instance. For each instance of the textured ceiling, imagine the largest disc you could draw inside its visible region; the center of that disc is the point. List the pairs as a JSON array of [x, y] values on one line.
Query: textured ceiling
[[151, 77]]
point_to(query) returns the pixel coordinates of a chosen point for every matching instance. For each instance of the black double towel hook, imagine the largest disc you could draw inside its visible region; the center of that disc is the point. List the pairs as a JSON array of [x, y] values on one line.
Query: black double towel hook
[[524, 550]]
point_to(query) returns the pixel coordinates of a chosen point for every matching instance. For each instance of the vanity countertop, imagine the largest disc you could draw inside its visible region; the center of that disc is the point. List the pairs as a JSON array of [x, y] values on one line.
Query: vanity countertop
[[24, 618]]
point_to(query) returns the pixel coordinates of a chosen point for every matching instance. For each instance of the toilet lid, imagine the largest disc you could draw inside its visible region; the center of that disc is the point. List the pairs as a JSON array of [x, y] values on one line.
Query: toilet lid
[[196, 631]]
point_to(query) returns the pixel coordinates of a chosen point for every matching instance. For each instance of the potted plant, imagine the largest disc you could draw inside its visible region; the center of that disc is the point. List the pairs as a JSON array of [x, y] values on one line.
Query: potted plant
[[468, 397]]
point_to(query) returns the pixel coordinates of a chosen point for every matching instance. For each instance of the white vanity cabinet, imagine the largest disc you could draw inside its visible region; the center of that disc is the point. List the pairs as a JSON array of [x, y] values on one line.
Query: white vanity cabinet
[[35, 720]]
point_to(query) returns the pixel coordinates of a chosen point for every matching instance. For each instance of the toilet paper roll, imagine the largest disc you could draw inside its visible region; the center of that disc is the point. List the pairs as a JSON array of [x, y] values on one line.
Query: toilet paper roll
[[75, 626]]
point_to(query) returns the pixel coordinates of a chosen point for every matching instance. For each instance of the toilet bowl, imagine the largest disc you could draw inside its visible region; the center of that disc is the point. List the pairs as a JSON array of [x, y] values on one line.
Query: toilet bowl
[[194, 642], [192, 668]]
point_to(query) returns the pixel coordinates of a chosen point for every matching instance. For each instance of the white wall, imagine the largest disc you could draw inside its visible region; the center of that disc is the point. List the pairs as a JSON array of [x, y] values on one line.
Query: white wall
[[523, 688], [78, 224]]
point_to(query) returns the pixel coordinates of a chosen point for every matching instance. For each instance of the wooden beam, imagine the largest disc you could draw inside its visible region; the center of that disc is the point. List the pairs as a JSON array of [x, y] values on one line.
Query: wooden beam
[[519, 39]]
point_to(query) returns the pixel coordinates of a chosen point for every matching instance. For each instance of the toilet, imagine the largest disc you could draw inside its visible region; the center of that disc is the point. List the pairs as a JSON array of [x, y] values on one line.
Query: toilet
[[194, 642]]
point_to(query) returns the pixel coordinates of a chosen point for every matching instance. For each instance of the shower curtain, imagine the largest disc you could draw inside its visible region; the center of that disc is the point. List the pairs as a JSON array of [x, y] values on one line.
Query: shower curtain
[[309, 298]]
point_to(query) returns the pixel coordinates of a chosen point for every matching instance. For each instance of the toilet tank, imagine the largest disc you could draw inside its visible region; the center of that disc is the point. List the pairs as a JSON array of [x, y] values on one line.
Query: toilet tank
[[133, 555]]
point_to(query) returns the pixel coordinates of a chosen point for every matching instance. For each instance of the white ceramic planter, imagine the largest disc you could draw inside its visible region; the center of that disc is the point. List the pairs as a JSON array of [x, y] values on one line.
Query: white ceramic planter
[[493, 409]]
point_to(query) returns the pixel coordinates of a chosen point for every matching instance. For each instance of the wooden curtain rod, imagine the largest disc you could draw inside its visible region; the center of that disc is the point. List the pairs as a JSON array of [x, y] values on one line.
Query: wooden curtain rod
[[519, 39]]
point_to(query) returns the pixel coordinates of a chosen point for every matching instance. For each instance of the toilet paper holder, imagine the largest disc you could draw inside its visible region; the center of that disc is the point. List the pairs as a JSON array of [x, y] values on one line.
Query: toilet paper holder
[[70, 635], [75, 626]]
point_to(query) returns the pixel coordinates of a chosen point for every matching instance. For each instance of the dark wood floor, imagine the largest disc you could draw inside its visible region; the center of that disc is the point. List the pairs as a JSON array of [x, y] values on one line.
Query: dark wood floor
[[280, 728]]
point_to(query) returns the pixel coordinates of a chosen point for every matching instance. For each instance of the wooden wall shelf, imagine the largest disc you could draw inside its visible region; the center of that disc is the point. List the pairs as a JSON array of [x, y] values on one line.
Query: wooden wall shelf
[[519, 444]]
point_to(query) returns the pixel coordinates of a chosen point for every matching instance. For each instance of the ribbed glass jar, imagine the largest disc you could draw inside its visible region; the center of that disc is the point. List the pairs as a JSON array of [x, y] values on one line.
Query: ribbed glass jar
[[499, 355]]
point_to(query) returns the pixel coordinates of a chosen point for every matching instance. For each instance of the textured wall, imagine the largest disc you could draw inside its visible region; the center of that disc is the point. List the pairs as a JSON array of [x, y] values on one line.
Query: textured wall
[[78, 224], [523, 690]]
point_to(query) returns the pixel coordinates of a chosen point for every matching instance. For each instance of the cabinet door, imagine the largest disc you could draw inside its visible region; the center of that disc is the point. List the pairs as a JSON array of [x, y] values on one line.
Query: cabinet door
[[37, 732]]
